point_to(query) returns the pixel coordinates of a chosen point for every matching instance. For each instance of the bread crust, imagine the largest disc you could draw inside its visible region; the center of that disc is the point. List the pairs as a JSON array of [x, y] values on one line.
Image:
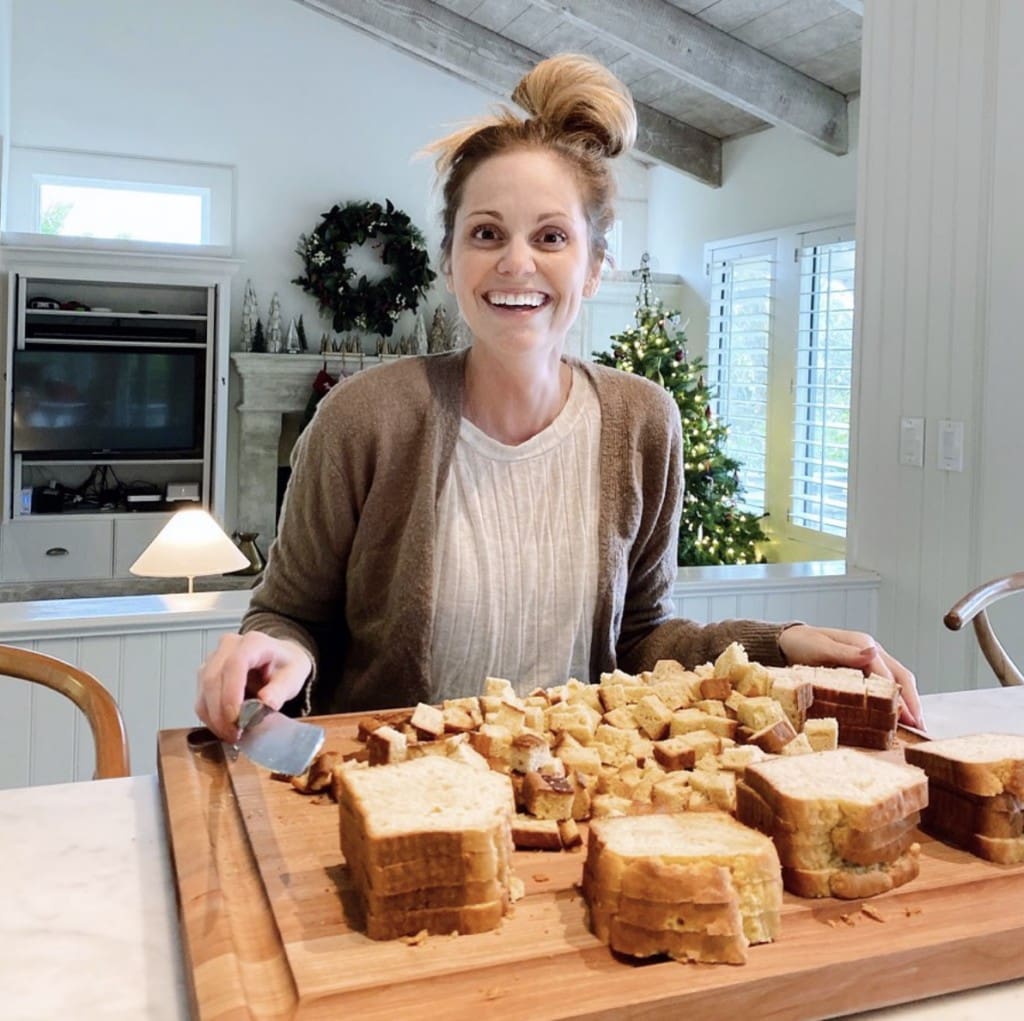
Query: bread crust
[[471, 919], [853, 883], [681, 946], [809, 791], [963, 764]]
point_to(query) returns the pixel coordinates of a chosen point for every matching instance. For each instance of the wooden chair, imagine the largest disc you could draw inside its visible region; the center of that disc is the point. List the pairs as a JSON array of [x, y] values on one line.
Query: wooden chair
[[87, 693], [974, 606]]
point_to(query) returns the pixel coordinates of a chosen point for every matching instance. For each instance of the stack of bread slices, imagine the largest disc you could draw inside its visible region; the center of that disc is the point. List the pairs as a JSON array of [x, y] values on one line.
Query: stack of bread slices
[[866, 708], [695, 886], [976, 793], [429, 847], [843, 821]]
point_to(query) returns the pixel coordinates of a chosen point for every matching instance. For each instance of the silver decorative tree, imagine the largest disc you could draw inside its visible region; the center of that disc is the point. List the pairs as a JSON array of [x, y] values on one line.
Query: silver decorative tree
[[275, 337], [250, 315]]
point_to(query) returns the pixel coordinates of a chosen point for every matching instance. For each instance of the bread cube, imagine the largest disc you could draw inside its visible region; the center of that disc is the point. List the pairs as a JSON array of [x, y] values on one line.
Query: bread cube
[[622, 718], [528, 752], [822, 734], [731, 661], [386, 745], [674, 694], [674, 754], [498, 687], [494, 742], [510, 714], [653, 717], [548, 797], [719, 688], [428, 719], [759, 711]]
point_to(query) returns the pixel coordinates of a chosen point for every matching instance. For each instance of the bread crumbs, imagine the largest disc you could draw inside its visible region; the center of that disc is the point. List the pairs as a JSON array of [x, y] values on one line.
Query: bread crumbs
[[493, 993], [415, 941], [539, 877], [867, 909]]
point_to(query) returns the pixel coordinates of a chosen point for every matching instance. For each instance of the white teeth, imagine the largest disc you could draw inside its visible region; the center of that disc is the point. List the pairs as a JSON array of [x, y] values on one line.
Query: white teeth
[[532, 300]]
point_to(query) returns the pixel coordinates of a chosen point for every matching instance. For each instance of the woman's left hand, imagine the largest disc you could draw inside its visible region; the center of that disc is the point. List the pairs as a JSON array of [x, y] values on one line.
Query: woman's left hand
[[822, 646]]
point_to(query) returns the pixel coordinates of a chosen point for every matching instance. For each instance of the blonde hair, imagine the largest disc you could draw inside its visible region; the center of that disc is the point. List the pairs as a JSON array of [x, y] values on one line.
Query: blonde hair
[[577, 110]]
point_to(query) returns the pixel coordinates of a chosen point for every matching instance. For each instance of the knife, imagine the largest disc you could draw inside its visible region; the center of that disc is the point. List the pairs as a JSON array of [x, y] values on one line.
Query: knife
[[275, 741]]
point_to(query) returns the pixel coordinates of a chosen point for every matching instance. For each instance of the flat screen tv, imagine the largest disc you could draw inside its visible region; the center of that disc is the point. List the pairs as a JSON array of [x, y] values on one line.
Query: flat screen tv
[[107, 402]]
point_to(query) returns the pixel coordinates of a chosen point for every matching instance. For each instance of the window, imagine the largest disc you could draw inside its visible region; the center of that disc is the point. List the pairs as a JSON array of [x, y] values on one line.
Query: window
[[77, 195], [824, 368], [780, 357], [739, 331]]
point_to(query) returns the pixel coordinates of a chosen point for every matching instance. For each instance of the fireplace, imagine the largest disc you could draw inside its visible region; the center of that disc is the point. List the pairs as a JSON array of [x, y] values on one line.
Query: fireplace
[[273, 386]]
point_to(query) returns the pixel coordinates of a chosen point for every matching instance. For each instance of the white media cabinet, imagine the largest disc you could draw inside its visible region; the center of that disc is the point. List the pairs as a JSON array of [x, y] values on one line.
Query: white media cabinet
[[175, 305]]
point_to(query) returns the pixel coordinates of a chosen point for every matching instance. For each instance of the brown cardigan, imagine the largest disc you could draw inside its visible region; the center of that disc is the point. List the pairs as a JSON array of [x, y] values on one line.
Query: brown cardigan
[[350, 575]]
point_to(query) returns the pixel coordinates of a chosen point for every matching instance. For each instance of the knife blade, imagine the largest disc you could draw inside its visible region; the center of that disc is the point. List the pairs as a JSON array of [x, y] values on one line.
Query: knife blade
[[275, 741]]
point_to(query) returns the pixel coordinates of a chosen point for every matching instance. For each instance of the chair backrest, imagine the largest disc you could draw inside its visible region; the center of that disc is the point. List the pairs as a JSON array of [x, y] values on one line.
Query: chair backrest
[[974, 606], [87, 693]]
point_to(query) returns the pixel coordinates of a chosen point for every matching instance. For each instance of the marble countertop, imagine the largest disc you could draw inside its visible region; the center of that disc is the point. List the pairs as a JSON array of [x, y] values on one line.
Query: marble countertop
[[89, 921]]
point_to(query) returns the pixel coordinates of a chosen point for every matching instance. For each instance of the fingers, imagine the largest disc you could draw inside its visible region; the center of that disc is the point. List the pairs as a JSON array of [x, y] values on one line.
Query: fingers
[[910, 707], [253, 663]]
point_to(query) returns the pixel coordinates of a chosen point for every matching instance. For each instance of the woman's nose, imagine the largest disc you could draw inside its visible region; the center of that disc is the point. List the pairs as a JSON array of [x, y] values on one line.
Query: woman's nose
[[517, 258]]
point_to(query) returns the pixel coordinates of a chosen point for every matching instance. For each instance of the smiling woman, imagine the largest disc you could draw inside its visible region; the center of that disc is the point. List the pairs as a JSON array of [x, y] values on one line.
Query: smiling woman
[[505, 510]]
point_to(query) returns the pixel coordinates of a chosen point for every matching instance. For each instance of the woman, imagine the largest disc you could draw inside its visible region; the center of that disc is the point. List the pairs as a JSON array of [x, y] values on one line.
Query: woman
[[503, 510]]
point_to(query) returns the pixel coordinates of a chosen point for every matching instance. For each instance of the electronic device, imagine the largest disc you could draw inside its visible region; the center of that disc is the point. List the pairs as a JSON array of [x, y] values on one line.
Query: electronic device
[[134, 499], [103, 402], [47, 499], [182, 491]]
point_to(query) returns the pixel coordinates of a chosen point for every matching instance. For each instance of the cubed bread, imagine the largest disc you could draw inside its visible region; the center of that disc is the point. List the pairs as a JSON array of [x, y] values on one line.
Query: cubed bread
[[652, 717], [823, 733], [548, 797]]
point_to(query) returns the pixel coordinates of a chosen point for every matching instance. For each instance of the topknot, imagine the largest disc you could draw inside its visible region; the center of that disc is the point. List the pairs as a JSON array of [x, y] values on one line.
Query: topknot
[[575, 97]]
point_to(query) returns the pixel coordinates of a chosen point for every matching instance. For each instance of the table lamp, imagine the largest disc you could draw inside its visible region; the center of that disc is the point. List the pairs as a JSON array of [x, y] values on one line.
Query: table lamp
[[189, 545]]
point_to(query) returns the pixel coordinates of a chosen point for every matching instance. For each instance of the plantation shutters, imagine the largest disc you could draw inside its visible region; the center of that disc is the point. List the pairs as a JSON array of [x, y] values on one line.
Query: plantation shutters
[[822, 383], [739, 334]]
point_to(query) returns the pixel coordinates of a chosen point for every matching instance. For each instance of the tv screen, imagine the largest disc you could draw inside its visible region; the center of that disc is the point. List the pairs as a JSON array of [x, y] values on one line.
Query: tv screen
[[75, 402]]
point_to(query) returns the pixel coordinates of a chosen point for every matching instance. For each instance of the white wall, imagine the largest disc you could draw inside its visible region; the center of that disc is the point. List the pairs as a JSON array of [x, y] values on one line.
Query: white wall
[[772, 179], [308, 110], [939, 242]]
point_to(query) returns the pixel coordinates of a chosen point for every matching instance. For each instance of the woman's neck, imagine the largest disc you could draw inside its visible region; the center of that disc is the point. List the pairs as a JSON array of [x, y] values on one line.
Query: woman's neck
[[512, 403]]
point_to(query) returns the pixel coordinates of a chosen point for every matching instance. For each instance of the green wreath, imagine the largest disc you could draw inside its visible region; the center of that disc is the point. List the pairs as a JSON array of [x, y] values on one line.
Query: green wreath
[[357, 303]]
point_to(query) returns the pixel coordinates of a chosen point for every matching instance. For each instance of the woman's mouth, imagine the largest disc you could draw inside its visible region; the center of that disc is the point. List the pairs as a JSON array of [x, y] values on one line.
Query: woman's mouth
[[517, 301]]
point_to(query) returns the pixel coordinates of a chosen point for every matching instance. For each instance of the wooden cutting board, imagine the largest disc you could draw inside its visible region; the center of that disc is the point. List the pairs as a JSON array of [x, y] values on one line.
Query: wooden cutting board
[[262, 889]]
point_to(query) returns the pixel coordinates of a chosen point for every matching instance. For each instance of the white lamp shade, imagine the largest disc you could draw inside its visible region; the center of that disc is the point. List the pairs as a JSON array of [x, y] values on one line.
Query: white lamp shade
[[189, 545]]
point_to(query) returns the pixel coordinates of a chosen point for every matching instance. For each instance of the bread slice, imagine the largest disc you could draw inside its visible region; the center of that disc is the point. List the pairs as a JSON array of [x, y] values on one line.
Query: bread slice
[[1002, 850], [985, 764], [425, 807], [471, 919], [643, 854], [682, 946], [850, 883], [837, 788], [845, 686], [408, 817], [854, 716], [1000, 816]]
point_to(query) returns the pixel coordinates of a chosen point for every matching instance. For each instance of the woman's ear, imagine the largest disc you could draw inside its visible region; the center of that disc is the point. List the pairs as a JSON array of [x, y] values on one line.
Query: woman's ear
[[593, 281]]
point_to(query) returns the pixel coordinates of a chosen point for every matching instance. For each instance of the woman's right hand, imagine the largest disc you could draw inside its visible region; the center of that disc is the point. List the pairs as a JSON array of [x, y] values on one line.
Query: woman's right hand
[[254, 664]]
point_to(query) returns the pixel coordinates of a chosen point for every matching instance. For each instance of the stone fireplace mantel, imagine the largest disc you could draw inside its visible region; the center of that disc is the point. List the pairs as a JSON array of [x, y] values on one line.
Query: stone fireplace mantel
[[273, 385]]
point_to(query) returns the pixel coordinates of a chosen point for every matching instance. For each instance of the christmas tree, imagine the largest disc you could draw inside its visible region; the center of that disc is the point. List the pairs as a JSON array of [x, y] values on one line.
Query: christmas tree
[[712, 529]]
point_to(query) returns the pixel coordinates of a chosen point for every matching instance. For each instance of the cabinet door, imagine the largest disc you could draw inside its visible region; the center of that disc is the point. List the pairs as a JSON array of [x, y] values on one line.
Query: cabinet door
[[132, 535], [60, 549]]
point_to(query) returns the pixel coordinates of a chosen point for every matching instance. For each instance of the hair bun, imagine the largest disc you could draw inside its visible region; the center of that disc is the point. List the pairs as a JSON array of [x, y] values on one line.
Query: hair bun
[[574, 95]]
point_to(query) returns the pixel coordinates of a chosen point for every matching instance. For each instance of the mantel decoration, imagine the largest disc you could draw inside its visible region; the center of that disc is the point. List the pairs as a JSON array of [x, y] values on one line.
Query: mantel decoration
[[358, 303]]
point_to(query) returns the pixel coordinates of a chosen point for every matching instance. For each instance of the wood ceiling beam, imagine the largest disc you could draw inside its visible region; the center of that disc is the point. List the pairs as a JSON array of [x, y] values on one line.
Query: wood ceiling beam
[[436, 35], [686, 47]]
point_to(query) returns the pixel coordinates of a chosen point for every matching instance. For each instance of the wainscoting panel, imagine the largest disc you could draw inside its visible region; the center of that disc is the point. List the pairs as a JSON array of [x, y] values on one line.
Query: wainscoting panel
[[146, 651]]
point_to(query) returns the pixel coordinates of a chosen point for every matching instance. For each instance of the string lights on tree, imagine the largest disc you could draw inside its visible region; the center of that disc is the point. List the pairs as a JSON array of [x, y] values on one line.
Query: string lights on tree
[[712, 529]]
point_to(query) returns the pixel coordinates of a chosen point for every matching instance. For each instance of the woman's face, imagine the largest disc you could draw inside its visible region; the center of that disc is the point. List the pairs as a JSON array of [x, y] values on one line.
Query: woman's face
[[521, 261]]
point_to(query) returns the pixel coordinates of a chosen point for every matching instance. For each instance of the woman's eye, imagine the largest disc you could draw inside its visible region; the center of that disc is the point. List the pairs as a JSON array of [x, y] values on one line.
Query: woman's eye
[[551, 236], [484, 233]]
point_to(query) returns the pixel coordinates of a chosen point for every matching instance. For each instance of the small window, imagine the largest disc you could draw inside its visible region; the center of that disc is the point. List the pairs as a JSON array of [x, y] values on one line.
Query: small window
[[71, 207], [92, 196]]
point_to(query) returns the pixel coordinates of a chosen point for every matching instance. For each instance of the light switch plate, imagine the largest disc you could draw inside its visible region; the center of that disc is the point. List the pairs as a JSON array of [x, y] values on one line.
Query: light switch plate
[[951, 446], [912, 442]]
